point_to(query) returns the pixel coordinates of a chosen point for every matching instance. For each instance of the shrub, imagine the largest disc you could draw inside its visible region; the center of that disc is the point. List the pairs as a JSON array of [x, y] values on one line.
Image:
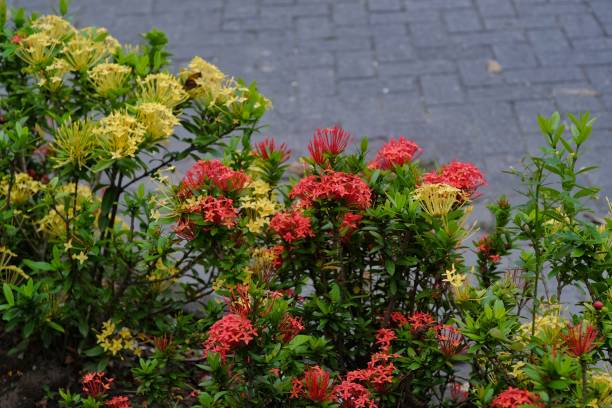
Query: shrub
[[248, 282]]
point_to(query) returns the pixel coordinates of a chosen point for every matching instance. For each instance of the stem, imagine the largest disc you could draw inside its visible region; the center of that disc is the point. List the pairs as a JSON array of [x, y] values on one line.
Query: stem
[[536, 247], [583, 366]]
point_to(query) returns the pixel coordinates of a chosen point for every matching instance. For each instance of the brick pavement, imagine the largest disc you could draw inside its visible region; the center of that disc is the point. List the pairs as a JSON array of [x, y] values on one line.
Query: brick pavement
[[421, 68]]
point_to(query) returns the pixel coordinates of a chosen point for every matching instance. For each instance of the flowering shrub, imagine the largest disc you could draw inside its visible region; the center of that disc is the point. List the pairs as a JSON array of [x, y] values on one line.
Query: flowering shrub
[[246, 282]]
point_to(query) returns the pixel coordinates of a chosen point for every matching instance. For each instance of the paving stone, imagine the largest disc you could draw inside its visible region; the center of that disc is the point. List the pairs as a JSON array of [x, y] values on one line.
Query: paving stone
[[500, 23], [390, 69], [384, 5], [350, 13], [580, 25], [458, 21], [476, 73], [548, 40], [355, 64], [441, 89], [543, 75], [515, 55], [495, 8]]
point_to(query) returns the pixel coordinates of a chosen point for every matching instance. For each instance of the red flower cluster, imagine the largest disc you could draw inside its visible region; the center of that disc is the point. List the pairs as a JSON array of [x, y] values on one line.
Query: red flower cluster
[[420, 322], [239, 301], [398, 319], [96, 383], [353, 395], [458, 393], [315, 385], [208, 173], [384, 337], [333, 185], [328, 142], [395, 153], [219, 211], [290, 327], [464, 176], [118, 402], [277, 251], [581, 339], [163, 343], [485, 250], [379, 372], [350, 222], [291, 225], [228, 333], [515, 398], [185, 229], [450, 340], [267, 148]]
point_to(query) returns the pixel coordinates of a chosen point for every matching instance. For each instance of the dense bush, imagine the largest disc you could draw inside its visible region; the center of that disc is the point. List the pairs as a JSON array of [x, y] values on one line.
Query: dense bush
[[341, 281]]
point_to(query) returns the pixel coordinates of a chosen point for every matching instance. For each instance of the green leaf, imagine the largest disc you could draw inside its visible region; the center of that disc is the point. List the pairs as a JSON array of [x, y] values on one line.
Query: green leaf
[[38, 266], [390, 267], [94, 351], [335, 294], [8, 294], [55, 326], [63, 7]]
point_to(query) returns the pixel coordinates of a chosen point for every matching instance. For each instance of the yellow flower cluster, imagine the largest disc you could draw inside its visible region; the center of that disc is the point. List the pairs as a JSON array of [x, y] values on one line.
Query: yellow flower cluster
[[460, 287], [83, 52], [119, 135], [261, 264], [108, 78], [114, 341], [24, 187], [157, 119], [207, 83], [547, 327], [601, 384], [163, 276], [437, 199], [37, 49], [53, 26], [53, 75], [10, 273], [162, 88], [74, 144], [53, 223], [259, 206]]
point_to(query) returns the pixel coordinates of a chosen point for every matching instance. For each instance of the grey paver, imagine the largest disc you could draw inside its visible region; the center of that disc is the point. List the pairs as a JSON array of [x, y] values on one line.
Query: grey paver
[[389, 67]]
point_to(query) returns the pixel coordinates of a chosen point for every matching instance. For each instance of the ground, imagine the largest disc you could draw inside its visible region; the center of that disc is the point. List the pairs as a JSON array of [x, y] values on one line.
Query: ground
[[464, 78]]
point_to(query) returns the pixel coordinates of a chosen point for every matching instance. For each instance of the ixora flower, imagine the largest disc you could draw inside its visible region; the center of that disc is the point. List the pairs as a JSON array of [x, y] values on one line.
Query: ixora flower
[[267, 149], [118, 402], [350, 223], [379, 372], [37, 49], [347, 188], [53, 26], [581, 339], [158, 120], [82, 51], [119, 135], [353, 395], [420, 322], [290, 327], [464, 176], [74, 144], [315, 385], [328, 142], [291, 226], [162, 88], [108, 78], [207, 173], [384, 337], [229, 333], [437, 199], [516, 398], [450, 340], [395, 153], [96, 383], [216, 210]]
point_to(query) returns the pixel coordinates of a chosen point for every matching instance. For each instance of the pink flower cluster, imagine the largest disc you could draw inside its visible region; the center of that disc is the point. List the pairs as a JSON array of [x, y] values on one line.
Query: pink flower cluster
[[515, 398], [228, 333], [267, 148], [209, 173], [291, 225], [395, 153], [464, 176], [328, 142], [333, 185]]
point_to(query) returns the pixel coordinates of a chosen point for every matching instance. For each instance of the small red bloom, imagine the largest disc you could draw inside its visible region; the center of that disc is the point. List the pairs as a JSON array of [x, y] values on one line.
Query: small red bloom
[[228, 333], [96, 383], [379, 372], [267, 149], [398, 319], [581, 339], [118, 402], [290, 327], [420, 322], [450, 340], [384, 337], [185, 229], [277, 251], [395, 153], [163, 343], [350, 222], [515, 398], [464, 176], [495, 258], [275, 371], [598, 305], [458, 393], [239, 301], [291, 225], [315, 385], [16, 39], [333, 185], [328, 142], [216, 210], [353, 395], [205, 174]]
